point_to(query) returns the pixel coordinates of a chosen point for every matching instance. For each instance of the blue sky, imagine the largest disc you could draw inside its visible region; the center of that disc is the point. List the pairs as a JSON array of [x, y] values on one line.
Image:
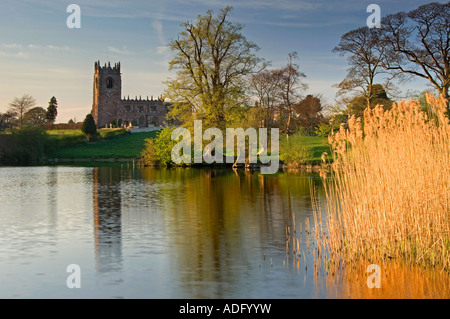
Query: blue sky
[[41, 56]]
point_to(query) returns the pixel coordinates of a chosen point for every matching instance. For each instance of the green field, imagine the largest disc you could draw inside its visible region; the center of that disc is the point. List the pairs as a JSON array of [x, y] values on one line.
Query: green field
[[120, 146]]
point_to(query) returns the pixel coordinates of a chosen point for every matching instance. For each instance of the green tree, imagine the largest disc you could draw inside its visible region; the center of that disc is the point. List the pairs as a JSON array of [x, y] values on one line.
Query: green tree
[[35, 116], [19, 106], [89, 128], [52, 110], [212, 58]]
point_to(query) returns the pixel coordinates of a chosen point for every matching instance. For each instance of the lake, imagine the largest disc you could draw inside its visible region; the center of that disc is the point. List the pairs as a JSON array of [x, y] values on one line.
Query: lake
[[172, 233]]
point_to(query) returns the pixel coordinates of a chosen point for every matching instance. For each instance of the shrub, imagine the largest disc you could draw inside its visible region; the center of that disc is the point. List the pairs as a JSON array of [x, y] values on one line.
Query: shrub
[[62, 126], [159, 149], [89, 128], [30, 143], [293, 151], [106, 133], [149, 156], [116, 123]]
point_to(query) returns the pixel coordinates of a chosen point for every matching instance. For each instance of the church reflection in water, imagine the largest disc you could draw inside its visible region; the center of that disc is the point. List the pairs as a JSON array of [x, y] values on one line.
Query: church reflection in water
[[107, 219]]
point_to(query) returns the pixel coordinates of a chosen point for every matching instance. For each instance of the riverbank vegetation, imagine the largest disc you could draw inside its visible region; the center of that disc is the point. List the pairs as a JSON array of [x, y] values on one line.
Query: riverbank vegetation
[[32, 145], [295, 151], [389, 195]]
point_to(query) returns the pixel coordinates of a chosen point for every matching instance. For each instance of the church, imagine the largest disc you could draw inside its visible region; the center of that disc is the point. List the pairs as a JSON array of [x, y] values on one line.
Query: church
[[109, 106]]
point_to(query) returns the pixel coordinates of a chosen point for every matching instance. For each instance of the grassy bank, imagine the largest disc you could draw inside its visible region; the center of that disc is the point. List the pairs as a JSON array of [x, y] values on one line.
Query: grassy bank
[[304, 149], [131, 146], [119, 146]]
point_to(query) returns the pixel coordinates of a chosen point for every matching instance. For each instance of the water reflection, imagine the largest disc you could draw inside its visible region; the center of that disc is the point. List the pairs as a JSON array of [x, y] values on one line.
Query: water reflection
[[202, 233], [173, 233], [398, 280], [221, 224], [215, 228], [107, 219]]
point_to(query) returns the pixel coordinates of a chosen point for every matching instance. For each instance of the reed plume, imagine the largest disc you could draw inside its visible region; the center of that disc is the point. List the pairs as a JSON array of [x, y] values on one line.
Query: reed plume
[[389, 193]]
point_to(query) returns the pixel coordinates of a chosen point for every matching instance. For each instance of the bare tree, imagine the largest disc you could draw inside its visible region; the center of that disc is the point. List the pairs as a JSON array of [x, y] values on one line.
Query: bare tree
[[418, 44], [266, 86], [365, 56], [290, 86], [20, 106]]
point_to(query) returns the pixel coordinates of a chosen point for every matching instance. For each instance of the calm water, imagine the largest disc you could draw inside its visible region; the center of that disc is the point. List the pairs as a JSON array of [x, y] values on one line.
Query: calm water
[[157, 233], [149, 233]]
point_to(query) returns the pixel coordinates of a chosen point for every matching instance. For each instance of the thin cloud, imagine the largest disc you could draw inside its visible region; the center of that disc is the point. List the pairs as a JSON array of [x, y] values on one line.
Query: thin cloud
[[19, 55], [287, 5], [163, 49], [12, 46], [56, 48], [124, 50], [13, 50], [157, 25]]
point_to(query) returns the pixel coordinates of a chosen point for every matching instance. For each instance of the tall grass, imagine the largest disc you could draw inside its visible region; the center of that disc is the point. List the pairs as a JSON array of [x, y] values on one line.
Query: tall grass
[[389, 195]]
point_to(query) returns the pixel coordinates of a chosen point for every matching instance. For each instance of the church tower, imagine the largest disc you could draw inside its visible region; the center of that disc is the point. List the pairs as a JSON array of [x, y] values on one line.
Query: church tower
[[107, 93]]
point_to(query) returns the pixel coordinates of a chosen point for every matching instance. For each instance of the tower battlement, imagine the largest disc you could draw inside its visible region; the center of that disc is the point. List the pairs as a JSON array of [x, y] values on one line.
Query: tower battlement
[[107, 67]]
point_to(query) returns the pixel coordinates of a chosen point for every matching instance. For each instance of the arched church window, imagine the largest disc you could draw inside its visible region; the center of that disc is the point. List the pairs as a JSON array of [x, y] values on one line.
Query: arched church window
[[109, 83]]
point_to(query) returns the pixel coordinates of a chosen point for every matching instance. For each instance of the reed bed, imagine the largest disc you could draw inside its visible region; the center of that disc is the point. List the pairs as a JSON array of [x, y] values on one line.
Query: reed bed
[[389, 192]]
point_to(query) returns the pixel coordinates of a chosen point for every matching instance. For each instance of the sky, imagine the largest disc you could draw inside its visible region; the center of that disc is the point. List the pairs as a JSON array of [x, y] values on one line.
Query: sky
[[41, 56]]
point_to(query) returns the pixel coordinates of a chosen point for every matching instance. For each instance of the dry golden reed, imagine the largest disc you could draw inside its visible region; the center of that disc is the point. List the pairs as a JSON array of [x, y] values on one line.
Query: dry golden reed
[[389, 195]]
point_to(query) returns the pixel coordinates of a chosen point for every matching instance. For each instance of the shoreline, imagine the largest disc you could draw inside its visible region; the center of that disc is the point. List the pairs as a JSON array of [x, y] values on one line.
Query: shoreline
[[310, 168]]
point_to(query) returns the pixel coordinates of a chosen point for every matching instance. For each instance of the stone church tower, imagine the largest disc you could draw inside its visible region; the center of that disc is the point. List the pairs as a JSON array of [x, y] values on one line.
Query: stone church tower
[[108, 105], [107, 93]]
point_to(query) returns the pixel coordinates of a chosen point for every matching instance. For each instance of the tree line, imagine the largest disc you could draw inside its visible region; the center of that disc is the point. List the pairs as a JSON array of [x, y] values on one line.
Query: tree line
[[221, 80], [407, 45], [24, 112]]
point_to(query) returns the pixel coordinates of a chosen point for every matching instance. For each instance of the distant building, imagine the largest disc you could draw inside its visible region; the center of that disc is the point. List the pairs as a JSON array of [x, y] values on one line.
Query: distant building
[[108, 105]]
